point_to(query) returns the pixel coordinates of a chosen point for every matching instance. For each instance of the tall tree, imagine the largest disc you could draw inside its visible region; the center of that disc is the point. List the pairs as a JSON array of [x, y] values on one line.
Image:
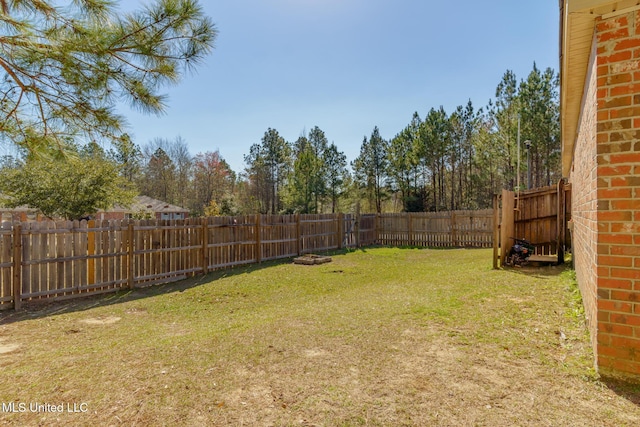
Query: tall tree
[[504, 117], [471, 124], [463, 127], [540, 124], [336, 174], [213, 179], [268, 165], [318, 143], [179, 153], [128, 155], [370, 169], [317, 175], [167, 171], [400, 157], [454, 155], [487, 176], [65, 68], [159, 177], [403, 165], [301, 183], [434, 144]]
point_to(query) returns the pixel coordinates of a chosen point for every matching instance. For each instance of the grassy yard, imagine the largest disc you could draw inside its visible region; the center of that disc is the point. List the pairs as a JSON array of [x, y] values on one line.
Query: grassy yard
[[381, 337]]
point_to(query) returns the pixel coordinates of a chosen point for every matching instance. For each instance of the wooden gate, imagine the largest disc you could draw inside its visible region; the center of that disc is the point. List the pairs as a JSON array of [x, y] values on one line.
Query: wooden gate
[[539, 216]]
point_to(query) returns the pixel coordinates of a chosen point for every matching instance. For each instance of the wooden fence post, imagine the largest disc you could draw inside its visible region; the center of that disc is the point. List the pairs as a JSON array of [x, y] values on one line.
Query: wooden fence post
[[205, 245], [409, 230], [507, 224], [91, 250], [258, 241], [454, 231], [340, 229], [357, 224], [298, 235], [496, 230], [560, 222], [376, 232], [130, 254], [17, 266]]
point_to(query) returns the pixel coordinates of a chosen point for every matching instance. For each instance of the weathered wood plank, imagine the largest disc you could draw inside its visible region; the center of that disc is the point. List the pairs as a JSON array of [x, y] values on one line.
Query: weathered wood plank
[[6, 264]]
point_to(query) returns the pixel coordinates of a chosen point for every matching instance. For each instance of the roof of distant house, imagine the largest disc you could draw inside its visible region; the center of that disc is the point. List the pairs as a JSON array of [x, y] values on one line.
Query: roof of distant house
[[140, 203], [146, 203]]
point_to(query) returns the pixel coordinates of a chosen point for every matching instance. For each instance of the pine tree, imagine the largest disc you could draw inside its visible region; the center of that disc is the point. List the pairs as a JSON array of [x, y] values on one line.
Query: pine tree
[[65, 68], [504, 117], [434, 144], [370, 169], [301, 183], [540, 124], [268, 165], [319, 144], [336, 174], [128, 155]]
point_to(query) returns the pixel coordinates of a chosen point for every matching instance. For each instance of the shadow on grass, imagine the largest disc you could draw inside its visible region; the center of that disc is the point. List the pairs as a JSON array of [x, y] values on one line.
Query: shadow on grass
[[627, 390], [43, 308], [434, 248], [539, 272]]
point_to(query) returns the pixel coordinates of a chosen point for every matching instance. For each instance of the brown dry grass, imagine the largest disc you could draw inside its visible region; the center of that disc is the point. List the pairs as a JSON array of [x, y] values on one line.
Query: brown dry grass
[[378, 337]]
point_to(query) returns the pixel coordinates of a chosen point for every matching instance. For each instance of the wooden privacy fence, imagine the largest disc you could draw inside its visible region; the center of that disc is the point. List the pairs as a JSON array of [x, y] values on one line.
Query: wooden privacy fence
[[539, 216], [437, 229], [67, 259]]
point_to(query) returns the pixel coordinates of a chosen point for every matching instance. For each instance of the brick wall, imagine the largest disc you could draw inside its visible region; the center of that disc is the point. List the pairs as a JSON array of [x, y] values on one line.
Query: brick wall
[[584, 204], [617, 176]]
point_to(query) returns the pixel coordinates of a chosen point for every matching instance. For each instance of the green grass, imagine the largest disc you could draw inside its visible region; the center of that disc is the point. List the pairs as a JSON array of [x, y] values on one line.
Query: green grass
[[382, 336]]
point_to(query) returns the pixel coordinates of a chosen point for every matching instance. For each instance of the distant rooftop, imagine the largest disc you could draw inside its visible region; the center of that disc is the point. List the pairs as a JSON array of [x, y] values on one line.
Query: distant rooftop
[[146, 203]]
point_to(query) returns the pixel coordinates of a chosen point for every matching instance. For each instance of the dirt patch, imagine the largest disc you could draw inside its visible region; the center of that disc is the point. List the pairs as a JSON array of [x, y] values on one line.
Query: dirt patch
[[6, 347], [316, 352], [109, 320]]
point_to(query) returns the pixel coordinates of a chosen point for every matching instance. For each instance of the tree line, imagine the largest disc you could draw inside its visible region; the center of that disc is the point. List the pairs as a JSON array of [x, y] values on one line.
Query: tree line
[[64, 69], [440, 161]]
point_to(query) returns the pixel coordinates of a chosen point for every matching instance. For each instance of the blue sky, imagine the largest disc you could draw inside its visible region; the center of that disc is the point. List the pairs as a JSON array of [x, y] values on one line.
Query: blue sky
[[346, 66]]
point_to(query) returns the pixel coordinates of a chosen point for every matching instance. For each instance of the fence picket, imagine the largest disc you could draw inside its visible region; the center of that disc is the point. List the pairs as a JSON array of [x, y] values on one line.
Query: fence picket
[[6, 243]]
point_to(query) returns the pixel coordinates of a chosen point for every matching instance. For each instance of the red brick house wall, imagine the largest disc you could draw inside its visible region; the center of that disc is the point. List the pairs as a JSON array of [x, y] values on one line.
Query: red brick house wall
[[584, 203], [617, 179]]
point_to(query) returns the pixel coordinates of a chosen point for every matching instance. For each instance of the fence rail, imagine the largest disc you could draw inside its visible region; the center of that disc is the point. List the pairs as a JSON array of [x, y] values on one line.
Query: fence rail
[[68, 259]]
